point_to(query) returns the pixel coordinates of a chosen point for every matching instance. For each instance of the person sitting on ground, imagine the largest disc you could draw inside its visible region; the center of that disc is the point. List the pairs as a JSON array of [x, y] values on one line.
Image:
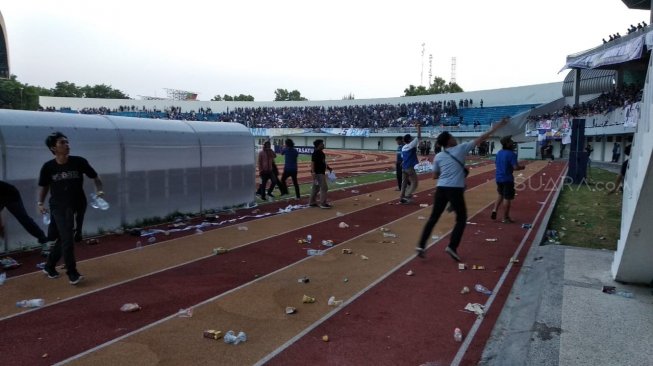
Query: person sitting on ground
[[506, 163]]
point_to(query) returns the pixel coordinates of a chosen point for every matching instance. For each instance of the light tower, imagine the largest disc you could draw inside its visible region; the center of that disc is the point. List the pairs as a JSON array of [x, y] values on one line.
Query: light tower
[[421, 75], [453, 70], [430, 69]]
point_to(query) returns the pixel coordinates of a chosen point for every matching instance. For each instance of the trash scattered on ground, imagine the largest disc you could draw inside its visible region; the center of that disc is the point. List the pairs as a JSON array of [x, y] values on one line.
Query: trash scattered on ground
[[347, 251], [626, 294], [464, 290], [327, 243], [231, 338], [40, 265], [185, 313], [139, 245], [475, 308], [345, 279], [435, 237], [410, 273], [514, 260], [421, 217], [601, 237], [384, 229], [3, 278], [325, 338], [423, 205], [45, 355], [199, 231], [526, 226], [491, 239], [290, 310], [363, 257], [354, 191], [477, 267], [339, 214], [33, 303], [389, 235], [308, 300], [609, 289], [552, 236], [212, 334], [130, 307], [314, 252], [9, 263], [92, 241], [303, 280], [482, 289], [537, 259], [462, 266], [457, 335], [343, 225], [333, 302], [243, 228], [471, 223], [219, 250]]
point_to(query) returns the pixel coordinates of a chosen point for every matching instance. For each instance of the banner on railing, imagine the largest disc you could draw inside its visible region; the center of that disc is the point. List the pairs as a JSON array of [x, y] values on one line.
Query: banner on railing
[[357, 132], [631, 114]]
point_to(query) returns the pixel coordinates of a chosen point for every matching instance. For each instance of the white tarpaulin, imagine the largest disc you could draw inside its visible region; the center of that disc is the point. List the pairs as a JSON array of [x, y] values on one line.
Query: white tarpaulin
[[610, 54]]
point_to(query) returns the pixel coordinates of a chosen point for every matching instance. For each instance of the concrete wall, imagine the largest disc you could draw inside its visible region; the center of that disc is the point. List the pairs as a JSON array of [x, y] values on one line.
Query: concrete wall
[[633, 260]]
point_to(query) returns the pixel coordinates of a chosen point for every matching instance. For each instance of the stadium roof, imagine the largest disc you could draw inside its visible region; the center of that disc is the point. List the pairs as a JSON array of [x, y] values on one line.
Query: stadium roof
[[638, 4]]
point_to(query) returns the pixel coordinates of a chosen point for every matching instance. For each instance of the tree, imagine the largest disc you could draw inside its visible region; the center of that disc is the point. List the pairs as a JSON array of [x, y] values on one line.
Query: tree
[[439, 86], [217, 98], [349, 97], [102, 91], [281, 95], [67, 89]]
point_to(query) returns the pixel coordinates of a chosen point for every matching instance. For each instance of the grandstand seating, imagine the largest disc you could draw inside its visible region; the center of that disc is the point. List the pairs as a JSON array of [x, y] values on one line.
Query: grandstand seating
[[486, 115]]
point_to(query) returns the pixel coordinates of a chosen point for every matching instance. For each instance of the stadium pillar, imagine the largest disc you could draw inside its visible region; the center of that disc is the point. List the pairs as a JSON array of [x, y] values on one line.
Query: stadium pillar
[[577, 86]]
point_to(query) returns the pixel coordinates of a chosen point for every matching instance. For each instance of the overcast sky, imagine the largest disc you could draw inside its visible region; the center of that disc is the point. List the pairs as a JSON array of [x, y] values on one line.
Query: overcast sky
[[324, 49]]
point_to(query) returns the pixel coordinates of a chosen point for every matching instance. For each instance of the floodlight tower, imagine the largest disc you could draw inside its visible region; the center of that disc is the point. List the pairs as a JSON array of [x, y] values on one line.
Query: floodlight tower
[[453, 70], [430, 69], [421, 75]]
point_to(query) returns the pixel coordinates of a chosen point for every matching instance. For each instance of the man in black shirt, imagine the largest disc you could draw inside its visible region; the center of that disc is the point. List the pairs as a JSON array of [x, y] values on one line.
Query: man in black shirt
[[11, 199], [63, 178], [319, 167]]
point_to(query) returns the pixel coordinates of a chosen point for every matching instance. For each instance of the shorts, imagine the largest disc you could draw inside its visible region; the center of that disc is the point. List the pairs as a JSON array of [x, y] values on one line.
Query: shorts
[[506, 190]]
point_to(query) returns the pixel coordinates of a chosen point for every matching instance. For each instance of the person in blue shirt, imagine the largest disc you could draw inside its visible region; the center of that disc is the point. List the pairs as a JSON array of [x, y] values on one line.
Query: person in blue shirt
[[398, 166], [506, 163], [449, 170], [408, 161], [290, 165]]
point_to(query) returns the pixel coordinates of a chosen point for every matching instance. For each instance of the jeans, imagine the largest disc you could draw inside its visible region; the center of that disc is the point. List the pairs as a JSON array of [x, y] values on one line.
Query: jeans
[[444, 195], [17, 208], [293, 175], [64, 219]]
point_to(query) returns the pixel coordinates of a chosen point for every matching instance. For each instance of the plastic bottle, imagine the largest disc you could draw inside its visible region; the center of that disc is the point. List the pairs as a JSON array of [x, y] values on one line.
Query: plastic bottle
[[626, 294], [309, 238], [46, 218], [99, 202], [482, 289], [33, 303], [458, 335], [313, 252], [139, 245], [151, 240]]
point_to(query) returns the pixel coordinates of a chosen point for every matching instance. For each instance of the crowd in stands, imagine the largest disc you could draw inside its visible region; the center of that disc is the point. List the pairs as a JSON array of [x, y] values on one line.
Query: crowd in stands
[[603, 104], [631, 29], [358, 116]]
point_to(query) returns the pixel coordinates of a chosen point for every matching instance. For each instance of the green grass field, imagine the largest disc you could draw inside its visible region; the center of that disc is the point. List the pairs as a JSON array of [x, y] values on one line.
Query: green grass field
[[585, 216]]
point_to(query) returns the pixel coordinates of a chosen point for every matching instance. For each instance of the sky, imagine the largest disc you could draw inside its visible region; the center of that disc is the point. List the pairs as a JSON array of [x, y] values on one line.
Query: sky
[[324, 49]]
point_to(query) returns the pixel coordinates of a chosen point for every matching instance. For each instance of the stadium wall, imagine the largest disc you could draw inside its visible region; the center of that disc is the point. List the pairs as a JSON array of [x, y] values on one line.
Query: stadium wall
[[530, 94], [150, 168], [632, 260]]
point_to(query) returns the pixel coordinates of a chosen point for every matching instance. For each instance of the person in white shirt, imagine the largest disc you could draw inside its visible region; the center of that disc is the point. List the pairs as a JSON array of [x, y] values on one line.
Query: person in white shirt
[[449, 169]]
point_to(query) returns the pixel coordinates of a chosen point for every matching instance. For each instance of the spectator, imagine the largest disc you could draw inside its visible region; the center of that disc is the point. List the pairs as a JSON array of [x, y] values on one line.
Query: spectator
[[409, 160], [319, 167], [290, 166], [63, 178], [398, 166], [266, 168], [449, 169], [506, 163], [11, 199]]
